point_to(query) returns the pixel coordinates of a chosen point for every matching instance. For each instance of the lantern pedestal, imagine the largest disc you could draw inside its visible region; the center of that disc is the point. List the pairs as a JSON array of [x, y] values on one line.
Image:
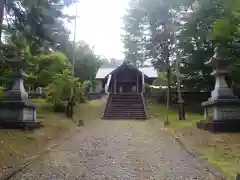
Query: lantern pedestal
[[16, 110], [222, 110]]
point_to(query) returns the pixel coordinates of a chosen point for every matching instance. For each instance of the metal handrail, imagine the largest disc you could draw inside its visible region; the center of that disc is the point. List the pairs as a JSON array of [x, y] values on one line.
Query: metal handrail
[[108, 96], [143, 83], [108, 83], [142, 95], [144, 105]]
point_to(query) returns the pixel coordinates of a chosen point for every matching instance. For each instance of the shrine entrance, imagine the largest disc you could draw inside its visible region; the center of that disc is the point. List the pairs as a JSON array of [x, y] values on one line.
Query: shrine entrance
[[126, 94], [126, 87], [126, 79]]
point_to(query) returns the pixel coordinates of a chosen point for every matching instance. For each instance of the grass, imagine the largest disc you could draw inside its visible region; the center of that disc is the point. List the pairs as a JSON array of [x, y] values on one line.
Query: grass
[[90, 111], [221, 150], [160, 112], [16, 145]]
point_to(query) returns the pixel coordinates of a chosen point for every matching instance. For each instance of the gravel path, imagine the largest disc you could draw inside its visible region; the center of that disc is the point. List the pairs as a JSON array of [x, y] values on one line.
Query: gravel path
[[117, 150]]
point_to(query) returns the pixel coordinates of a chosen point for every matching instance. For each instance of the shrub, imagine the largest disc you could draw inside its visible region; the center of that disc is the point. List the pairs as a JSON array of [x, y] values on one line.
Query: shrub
[[60, 107], [1, 92], [38, 101], [42, 104], [59, 90], [48, 65]]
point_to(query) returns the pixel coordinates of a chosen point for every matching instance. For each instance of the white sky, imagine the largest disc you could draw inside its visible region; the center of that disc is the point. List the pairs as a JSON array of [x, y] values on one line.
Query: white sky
[[99, 24]]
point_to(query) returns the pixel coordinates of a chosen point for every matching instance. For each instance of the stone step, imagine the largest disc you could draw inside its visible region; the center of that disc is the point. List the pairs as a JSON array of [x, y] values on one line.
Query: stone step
[[127, 98], [125, 106], [124, 113], [124, 98], [126, 94], [127, 102], [125, 110], [120, 105], [125, 117]]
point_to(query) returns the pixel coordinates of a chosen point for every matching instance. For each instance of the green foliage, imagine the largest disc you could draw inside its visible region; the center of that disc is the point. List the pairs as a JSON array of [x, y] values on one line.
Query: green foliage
[[41, 22], [38, 100], [111, 63], [37, 29], [162, 79], [42, 104], [150, 31], [59, 90], [1, 91], [151, 28], [222, 28], [86, 62], [46, 67], [133, 38], [160, 30], [211, 23], [5, 76]]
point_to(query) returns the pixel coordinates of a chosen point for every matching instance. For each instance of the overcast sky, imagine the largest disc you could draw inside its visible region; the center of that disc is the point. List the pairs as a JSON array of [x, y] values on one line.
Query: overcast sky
[[99, 24]]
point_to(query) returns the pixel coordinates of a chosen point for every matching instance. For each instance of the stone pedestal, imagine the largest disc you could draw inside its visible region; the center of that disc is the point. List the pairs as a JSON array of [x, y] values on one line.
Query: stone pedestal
[[221, 115], [222, 110], [16, 110]]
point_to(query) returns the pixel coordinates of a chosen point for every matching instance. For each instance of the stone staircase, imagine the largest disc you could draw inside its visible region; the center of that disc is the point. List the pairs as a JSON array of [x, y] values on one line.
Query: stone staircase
[[125, 106]]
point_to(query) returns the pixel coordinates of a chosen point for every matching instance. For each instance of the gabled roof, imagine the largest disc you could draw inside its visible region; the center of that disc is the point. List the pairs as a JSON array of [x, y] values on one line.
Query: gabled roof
[[102, 72], [150, 72], [124, 65]]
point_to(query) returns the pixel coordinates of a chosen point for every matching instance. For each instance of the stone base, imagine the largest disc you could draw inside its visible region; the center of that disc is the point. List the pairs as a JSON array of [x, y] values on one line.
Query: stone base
[[18, 115], [20, 125], [219, 125], [222, 109]]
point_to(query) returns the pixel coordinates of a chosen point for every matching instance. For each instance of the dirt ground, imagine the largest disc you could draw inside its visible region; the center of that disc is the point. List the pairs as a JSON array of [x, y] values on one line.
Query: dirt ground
[[117, 150], [221, 150], [16, 145]]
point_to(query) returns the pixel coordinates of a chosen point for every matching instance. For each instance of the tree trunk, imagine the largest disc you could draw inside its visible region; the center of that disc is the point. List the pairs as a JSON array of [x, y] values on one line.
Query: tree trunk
[[169, 92], [169, 81], [2, 2]]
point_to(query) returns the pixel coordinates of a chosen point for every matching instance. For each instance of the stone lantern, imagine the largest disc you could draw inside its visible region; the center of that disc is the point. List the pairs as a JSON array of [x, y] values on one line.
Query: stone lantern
[[16, 110], [222, 110]]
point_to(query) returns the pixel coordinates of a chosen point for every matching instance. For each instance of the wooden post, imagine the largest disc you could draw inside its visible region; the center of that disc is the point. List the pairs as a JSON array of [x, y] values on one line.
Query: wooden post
[[143, 82], [115, 83], [137, 84]]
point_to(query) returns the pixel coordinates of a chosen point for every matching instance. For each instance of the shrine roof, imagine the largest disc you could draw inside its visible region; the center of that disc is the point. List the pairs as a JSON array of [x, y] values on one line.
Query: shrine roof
[[150, 72]]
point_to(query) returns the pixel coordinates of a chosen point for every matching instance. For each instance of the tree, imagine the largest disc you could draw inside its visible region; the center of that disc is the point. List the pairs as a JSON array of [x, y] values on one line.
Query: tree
[[152, 26], [86, 62], [112, 63], [59, 90], [134, 39], [36, 28], [46, 66], [211, 23], [40, 21]]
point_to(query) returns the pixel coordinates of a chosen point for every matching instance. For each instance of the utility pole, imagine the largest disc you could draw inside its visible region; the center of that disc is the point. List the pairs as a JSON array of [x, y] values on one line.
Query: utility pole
[[71, 102], [2, 3], [74, 37]]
